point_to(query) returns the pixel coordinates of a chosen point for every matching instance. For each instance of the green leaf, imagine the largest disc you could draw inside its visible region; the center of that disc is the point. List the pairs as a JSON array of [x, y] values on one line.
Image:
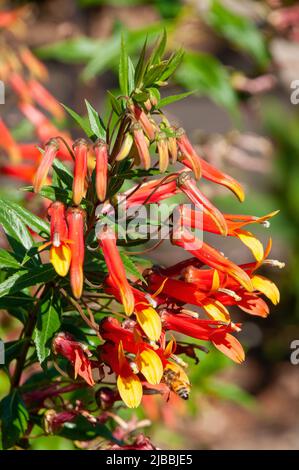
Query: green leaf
[[154, 74], [27, 278], [53, 193], [95, 122], [172, 99], [130, 267], [14, 419], [36, 224], [123, 68], [14, 301], [159, 49], [79, 120], [173, 63], [141, 65], [206, 75], [12, 350], [238, 29], [17, 233], [63, 172], [7, 260], [116, 105], [48, 323], [131, 76]]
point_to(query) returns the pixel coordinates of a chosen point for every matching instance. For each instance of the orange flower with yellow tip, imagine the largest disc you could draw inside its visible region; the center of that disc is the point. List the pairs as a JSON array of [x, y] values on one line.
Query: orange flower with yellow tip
[[75, 220], [80, 171], [60, 251], [147, 317], [101, 169], [140, 359], [141, 145], [117, 273]]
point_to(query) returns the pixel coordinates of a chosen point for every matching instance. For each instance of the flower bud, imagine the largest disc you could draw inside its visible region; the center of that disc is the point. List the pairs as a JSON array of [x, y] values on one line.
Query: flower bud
[[142, 146], [125, 147], [51, 150], [162, 145], [75, 220], [80, 150], [101, 153]]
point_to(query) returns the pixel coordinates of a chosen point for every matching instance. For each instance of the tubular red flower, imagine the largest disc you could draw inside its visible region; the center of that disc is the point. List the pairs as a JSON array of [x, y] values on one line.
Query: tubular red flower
[[188, 186], [188, 153], [150, 192], [51, 149], [116, 268], [80, 171], [206, 330], [211, 257], [75, 221], [65, 345], [101, 153]]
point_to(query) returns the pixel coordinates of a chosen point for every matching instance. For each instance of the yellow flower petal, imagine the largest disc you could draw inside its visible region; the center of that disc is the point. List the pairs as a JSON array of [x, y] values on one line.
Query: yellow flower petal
[[150, 322], [150, 366], [60, 257], [130, 390], [216, 311], [266, 287], [252, 243], [216, 280]]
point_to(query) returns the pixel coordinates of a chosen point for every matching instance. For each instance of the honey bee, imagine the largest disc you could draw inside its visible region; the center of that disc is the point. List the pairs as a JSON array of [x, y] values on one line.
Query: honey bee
[[177, 381]]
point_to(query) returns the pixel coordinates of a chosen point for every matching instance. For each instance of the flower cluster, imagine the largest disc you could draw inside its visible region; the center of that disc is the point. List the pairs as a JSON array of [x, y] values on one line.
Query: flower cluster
[[144, 309]]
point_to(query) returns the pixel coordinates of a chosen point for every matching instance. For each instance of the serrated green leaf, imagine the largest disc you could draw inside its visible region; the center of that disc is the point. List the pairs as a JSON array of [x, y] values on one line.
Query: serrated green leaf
[[79, 120], [53, 193], [47, 324], [154, 74], [123, 68], [27, 278], [173, 64], [7, 260], [141, 65], [172, 99], [131, 76], [159, 49], [14, 419], [95, 122], [238, 29], [17, 234], [116, 105], [32, 221], [130, 267]]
